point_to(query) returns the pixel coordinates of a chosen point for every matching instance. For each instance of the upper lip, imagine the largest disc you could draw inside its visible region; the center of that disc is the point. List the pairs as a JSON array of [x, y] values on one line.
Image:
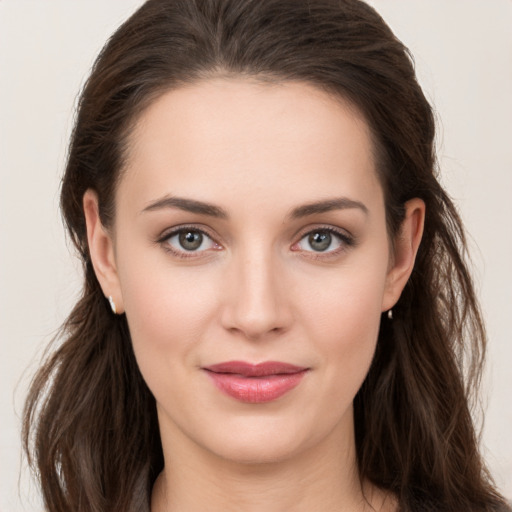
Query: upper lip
[[255, 370]]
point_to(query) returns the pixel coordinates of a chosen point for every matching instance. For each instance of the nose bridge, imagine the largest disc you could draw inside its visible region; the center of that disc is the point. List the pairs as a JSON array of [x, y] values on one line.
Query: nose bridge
[[257, 305]]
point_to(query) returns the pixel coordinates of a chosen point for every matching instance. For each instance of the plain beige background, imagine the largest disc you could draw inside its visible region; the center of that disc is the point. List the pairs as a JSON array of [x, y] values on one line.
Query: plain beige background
[[463, 52]]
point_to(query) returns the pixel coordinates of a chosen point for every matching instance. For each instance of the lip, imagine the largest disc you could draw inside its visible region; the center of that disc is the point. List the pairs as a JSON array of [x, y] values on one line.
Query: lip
[[255, 383]]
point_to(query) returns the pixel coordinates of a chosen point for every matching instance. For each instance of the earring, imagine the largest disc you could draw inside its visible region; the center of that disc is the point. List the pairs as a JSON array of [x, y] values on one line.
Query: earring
[[390, 314], [112, 304]]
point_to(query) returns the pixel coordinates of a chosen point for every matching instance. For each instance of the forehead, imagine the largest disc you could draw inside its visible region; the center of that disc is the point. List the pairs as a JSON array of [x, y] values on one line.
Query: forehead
[[239, 136]]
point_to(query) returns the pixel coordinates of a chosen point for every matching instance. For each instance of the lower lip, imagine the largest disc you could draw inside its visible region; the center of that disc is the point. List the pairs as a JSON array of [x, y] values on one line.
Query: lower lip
[[256, 390]]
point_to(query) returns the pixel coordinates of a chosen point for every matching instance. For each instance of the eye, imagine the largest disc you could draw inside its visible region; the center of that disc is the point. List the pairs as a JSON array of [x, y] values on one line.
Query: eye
[[324, 240], [186, 241]]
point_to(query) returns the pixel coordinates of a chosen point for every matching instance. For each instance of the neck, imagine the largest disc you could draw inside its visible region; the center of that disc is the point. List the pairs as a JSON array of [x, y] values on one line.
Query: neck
[[325, 477]]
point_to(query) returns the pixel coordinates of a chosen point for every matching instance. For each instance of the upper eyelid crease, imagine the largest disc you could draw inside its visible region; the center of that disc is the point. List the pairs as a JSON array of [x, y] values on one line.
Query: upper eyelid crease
[[179, 229], [340, 233]]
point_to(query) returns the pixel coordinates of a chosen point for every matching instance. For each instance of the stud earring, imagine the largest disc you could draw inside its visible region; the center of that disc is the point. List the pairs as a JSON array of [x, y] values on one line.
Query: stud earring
[[112, 304], [390, 314]]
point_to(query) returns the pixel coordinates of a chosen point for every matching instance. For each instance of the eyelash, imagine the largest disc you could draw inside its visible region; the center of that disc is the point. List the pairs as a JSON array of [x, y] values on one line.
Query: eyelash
[[347, 241], [164, 239]]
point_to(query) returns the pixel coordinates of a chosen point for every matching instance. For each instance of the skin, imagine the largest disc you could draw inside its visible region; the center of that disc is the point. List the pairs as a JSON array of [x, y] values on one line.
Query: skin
[[256, 290]]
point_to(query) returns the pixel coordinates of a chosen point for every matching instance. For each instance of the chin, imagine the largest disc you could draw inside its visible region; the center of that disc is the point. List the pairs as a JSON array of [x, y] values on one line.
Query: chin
[[248, 451], [264, 441]]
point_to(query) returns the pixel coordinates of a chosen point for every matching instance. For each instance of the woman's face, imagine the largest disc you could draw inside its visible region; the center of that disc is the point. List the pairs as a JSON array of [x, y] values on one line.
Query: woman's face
[[250, 228]]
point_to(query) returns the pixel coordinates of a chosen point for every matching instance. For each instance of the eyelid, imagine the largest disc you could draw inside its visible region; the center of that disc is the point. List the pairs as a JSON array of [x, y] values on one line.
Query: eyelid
[[347, 240], [343, 233], [175, 230], [167, 232]]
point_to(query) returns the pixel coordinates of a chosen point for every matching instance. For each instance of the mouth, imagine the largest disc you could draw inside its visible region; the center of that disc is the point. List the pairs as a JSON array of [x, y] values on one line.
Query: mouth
[[255, 383]]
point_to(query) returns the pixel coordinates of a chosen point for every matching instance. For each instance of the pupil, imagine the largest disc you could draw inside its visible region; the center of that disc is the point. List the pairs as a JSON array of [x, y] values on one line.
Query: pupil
[[191, 240], [320, 241]]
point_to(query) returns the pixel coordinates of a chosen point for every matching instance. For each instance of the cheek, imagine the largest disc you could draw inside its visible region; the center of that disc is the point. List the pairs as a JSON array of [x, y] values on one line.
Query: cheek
[[347, 299], [349, 327], [167, 309], [343, 319]]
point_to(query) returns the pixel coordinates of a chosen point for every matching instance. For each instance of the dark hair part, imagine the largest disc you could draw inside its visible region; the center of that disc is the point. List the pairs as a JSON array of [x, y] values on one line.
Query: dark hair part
[[90, 425]]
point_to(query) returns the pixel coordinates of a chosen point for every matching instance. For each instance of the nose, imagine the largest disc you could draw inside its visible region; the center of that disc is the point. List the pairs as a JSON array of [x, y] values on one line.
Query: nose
[[258, 302]]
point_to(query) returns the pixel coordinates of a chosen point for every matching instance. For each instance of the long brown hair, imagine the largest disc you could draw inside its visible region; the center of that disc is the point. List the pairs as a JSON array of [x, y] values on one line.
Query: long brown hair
[[90, 424]]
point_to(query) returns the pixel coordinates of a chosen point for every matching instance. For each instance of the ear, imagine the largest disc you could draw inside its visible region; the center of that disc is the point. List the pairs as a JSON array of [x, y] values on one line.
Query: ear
[[406, 246], [101, 249]]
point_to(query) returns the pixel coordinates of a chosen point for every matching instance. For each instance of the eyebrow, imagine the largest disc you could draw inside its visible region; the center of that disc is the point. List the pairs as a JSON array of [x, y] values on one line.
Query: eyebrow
[[211, 210], [187, 205], [338, 203]]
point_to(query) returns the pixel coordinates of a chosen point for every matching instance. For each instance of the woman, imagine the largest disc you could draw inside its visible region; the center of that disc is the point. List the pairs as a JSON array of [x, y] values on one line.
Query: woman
[[276, 306]]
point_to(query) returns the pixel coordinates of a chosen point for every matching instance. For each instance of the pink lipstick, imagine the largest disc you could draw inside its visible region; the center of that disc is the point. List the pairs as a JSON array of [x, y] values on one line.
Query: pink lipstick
[[255, 383]]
